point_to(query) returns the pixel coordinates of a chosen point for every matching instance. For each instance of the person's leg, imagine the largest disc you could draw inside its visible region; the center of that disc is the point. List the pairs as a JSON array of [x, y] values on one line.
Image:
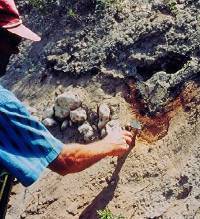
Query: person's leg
[[6, 181]]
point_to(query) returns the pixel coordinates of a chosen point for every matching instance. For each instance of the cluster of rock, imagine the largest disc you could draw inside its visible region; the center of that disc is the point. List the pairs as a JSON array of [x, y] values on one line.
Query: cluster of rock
[[68, 110], [161, 88]]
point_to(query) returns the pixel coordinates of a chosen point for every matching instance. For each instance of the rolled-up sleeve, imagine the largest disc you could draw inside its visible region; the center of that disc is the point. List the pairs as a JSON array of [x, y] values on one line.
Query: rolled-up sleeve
[[26, 146]]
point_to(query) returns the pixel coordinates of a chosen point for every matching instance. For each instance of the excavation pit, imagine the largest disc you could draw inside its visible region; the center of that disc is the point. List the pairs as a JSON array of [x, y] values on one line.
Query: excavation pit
[[156, 127]]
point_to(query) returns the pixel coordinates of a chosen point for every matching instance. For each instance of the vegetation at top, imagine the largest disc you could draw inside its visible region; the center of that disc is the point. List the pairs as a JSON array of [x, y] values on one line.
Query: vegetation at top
[[107, 214], [172, 5]]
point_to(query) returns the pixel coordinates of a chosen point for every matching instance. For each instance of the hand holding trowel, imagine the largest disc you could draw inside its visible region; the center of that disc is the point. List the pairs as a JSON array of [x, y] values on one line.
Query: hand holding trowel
[[122, 140], [134, 127]]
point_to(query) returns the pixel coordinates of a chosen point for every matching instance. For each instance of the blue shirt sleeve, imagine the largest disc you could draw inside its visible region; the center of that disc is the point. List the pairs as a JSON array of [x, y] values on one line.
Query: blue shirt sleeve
[[26, 146]]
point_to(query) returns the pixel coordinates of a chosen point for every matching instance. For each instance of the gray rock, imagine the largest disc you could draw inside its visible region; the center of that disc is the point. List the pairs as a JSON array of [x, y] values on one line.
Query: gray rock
[[104, 115], [155, 90], [68, 100], [49, 122], [64, 125], [78, 115], [158, 90], [48, 113], [87, 131], [189, 70], [61, 112]]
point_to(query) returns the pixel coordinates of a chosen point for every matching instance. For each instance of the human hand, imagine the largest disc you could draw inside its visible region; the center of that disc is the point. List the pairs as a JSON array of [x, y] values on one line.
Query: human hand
[[119, 141]]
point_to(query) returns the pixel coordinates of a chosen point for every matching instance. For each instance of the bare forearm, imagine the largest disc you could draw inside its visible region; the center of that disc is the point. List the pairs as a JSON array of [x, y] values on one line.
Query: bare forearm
[[77, 157]]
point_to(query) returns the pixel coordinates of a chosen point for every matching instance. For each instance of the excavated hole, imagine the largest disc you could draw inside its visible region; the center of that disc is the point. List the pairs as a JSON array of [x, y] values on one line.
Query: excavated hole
[[156, 127], [170, 63]]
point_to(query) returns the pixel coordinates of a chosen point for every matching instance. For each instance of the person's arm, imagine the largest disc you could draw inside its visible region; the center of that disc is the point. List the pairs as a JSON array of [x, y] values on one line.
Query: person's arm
[[77, 157]]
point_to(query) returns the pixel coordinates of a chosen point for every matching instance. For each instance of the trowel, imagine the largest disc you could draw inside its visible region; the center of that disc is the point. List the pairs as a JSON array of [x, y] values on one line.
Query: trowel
[[135, 124], [134, 127]]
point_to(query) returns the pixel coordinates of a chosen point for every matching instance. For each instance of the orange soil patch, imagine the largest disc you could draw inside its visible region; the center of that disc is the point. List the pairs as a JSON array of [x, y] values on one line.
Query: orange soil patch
[[156, 127]]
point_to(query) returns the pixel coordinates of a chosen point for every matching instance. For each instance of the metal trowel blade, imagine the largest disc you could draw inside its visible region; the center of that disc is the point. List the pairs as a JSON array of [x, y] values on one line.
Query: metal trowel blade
[[136, 124]]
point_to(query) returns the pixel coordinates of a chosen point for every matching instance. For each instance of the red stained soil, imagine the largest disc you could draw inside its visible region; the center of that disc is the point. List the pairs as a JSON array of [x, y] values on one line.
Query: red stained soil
[[156, 127]]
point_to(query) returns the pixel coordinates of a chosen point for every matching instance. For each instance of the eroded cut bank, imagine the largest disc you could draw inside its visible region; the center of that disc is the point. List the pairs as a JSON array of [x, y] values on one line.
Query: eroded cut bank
[[155, 127]]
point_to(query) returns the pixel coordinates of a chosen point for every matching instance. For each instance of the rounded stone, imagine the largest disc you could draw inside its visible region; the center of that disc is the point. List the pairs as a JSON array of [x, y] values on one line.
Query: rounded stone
[[78, 115], [64, 125], [104, 115], [68, 100], [49, 122], [61, 112], [87, 131], [48, 113]]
